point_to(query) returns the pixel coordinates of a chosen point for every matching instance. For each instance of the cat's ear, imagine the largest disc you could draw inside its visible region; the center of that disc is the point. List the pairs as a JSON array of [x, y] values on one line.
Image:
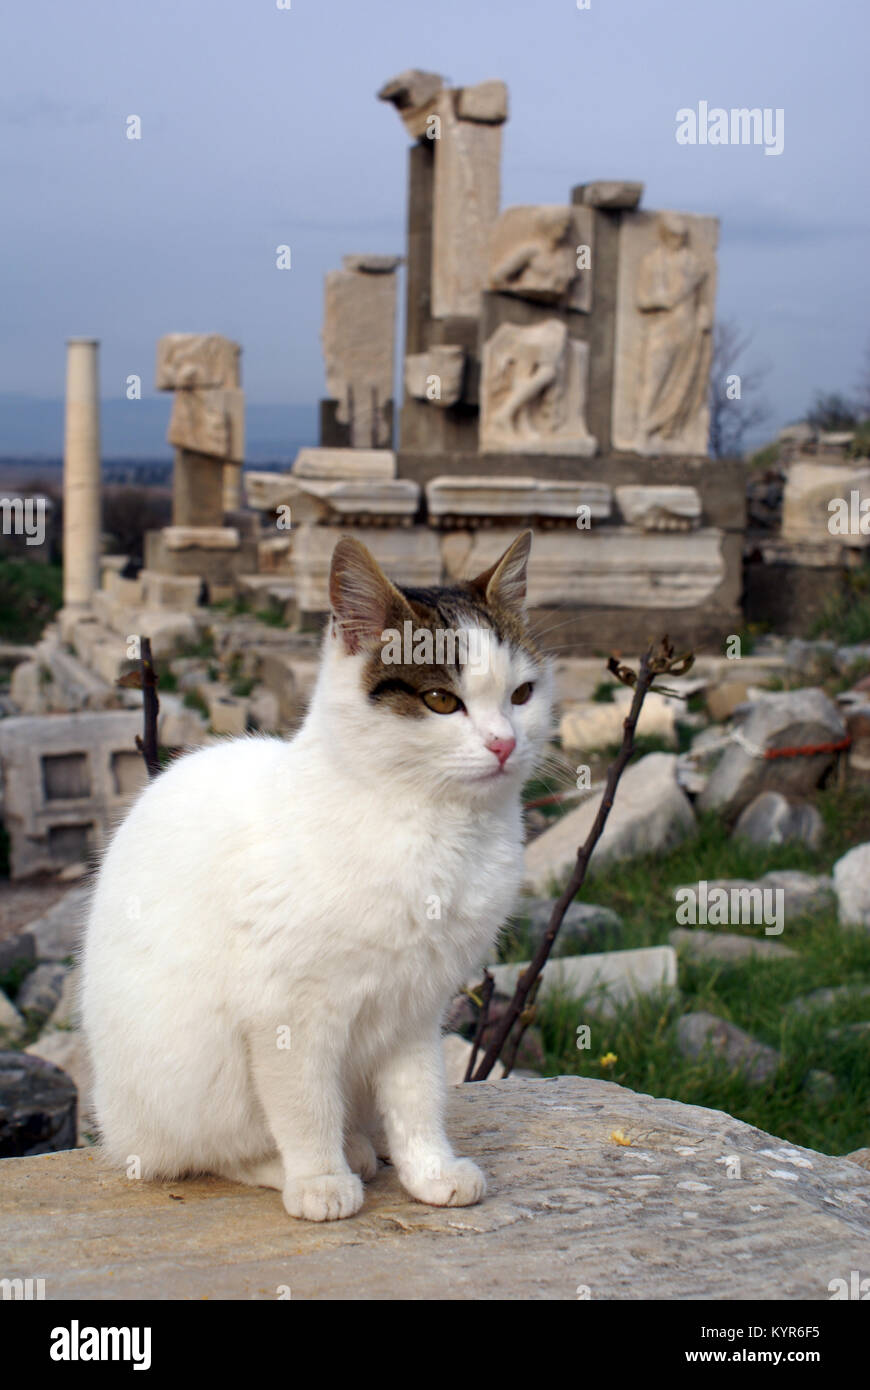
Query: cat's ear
[[361, 596], [503, 585]]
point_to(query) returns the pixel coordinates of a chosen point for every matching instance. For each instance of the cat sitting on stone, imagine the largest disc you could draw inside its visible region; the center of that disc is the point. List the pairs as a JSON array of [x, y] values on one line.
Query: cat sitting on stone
[[278, 926]]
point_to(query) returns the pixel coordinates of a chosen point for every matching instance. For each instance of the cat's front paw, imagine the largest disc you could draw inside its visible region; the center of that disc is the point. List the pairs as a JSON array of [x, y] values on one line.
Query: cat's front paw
[[454, 1182], [328, 1197]]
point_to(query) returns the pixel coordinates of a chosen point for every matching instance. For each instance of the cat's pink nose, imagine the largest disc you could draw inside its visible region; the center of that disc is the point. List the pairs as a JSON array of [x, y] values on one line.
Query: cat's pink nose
[[502, 748]]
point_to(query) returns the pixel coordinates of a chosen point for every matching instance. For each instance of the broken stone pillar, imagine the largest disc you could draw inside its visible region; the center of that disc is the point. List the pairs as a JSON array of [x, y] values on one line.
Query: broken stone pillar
[[359, 340], [81, 474], [207, 425], [453, 200], [466, 194]]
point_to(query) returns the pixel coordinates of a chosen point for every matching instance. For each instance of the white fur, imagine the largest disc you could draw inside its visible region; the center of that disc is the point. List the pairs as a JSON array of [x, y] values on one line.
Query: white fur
[[341, 885]]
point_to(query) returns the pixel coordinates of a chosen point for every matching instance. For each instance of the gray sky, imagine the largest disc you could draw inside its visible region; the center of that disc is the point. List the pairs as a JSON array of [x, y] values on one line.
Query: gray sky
[[260, 126]]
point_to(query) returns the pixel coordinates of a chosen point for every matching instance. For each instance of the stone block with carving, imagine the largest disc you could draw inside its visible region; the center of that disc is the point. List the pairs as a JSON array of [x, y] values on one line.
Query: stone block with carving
[[436, 376], [414, 94], [532, 252], [659, 507], [666, 293], [533, 391], [466, 196], [66, 780], [486, 102], [358, 347], [457, 496], [610, 566], [209, 421], [612, 194], [336, 464], [407, 556], [823, 502], [186, 360]]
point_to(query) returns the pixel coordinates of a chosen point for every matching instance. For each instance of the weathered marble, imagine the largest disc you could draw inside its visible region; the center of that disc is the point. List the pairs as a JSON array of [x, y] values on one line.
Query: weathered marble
[[350, 464], [612, 194], [533, 391], [462, 495], [465, 206], [436, 375], [664, 317], [414, 94], [807, 511], [408, 555], [359, 329], [659, 508], [81, 474], [186, 360], [625, 568], [686, 1203], [532, 252], [209, 421]]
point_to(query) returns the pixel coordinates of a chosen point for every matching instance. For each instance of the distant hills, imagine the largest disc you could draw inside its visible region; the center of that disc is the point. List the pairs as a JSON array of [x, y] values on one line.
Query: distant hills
[[32, 429]]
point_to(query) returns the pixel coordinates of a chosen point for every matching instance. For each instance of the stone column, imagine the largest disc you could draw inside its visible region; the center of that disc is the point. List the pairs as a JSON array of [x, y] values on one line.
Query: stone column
[[81, 474]]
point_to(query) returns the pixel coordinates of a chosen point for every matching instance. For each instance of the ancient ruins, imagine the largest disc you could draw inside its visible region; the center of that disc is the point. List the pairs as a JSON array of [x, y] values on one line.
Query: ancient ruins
[[554, 373]]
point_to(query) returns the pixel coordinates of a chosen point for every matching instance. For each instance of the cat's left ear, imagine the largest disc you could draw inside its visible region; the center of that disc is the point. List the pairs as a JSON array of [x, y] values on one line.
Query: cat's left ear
[[361, 596], [504, 583]]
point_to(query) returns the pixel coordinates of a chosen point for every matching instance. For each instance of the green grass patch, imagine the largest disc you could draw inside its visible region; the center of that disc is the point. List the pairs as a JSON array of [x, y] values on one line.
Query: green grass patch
[[30, 595]]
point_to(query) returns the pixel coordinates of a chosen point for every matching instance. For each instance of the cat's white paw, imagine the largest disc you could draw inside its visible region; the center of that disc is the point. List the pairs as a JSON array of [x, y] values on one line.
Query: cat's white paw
[[456, 1182], [328, 1197], [360, 1154]]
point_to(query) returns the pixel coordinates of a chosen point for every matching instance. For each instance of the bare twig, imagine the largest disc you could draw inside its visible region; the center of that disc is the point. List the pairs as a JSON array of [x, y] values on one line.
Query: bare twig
[[653, 663], [526, 1018], [145, 679], [486, 990]]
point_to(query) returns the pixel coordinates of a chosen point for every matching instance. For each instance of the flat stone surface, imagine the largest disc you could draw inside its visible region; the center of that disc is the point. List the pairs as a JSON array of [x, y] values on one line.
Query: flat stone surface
[[568, 1206], [606, 979], [726, 946]]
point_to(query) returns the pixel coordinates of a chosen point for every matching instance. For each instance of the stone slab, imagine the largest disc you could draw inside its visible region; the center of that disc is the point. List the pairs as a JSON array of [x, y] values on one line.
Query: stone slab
[[657, 1217], [345, 464]]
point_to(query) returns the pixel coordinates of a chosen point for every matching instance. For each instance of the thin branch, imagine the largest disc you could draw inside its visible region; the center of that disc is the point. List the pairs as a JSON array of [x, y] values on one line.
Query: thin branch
[[653, 663], [145, 679], [526, 1018], [486, 990]]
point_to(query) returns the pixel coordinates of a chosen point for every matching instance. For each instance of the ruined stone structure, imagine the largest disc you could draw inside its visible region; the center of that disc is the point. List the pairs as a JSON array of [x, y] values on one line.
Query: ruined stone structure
[[555, 372]]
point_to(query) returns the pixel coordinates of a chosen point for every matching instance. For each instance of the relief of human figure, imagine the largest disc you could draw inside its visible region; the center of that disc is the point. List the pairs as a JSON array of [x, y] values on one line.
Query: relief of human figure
[[534, 391], [672, 296]]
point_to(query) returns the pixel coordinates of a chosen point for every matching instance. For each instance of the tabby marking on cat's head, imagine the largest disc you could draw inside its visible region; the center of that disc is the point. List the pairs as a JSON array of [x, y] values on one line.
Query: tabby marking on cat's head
[[477, 722]]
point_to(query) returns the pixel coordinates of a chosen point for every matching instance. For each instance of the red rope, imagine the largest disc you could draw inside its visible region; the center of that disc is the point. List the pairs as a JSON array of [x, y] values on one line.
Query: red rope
[[809, 750]]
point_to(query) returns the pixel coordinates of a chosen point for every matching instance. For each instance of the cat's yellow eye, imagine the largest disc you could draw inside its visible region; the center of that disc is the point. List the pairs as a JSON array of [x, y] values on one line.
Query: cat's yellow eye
[[441, 701], [522, 694]]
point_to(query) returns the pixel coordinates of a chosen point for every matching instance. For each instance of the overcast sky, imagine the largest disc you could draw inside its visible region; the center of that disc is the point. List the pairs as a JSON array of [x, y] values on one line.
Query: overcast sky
[[260, 127]]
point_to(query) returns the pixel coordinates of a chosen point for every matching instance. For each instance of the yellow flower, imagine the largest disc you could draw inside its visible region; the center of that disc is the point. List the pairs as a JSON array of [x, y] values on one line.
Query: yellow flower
[[608, 1060], [619, 1138]]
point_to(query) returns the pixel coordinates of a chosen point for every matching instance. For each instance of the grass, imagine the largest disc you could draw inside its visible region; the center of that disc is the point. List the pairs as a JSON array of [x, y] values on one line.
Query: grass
[[845, 617], [750, 994], [30, 595]]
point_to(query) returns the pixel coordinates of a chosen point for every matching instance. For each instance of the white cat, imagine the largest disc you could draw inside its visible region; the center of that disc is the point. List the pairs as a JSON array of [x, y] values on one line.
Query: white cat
[[278, 926]]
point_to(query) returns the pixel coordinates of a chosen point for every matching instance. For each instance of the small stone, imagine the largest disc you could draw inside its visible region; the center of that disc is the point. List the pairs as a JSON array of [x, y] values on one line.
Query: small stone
[[584, 927], [41, 991], [38, 1113], [852, 886], [698, 944], [57, 934], [12, 1025], [772, 820], [698, 1032], [828, 998], [17, 952]]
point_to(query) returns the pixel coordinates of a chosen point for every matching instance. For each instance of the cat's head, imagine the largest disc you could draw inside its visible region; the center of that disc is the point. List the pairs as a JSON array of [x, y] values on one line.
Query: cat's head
[[443, 686]]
